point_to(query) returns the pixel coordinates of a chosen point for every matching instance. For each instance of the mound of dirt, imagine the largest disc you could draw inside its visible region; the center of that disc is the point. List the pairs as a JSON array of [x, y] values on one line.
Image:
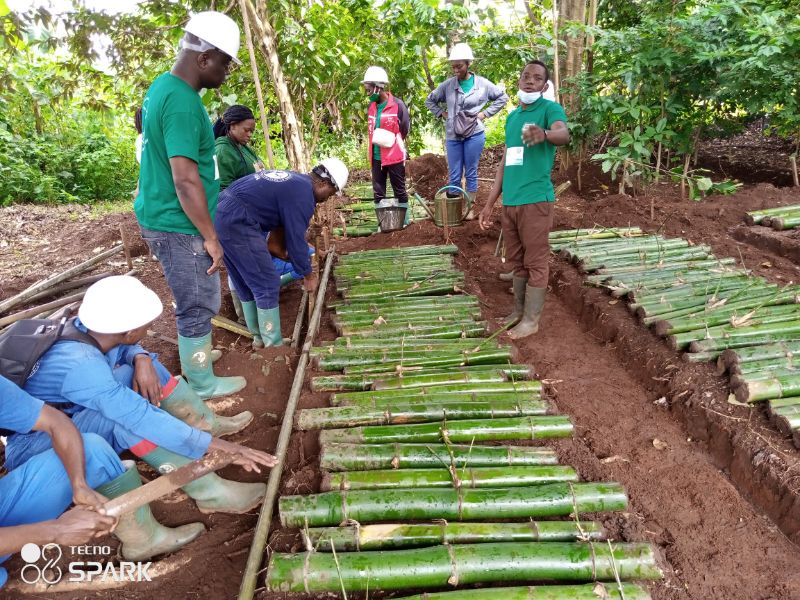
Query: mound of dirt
[[427, 173]]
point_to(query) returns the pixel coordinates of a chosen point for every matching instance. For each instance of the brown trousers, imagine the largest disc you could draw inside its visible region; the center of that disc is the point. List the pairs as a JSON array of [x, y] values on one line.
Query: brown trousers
[[525, 231]]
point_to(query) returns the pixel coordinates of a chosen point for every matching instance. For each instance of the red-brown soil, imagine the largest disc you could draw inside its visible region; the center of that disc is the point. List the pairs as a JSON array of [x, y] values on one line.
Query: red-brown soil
[[720, 501]]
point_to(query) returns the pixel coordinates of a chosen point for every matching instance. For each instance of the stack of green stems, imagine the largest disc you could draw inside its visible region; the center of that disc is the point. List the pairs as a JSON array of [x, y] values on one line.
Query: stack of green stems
[[749, 336], [384, 536], [352, 416], [640, 261], [369, 457], [584, 249], [393, 270], [755, 217], [370, 400], [725, 304], [686, 271], [408, 314], [658, 284], [401, 324], [635, 274], [785, 363], [391, 361], [754, 388], [524, 390], [589, 591], [445, 331], [464, 431], [356, 231], [707, 329], [457, 565], [465, 477], [366, 351], [693, 260], [440, 284], [417, 275], [568, 236], [380, 305], [407, 251], [685, 291], [527, 502], [351, 344], [785, 414], [741, 356]]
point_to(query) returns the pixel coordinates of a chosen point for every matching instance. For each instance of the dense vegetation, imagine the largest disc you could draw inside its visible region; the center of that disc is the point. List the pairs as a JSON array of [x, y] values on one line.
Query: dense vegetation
[[644, 80]]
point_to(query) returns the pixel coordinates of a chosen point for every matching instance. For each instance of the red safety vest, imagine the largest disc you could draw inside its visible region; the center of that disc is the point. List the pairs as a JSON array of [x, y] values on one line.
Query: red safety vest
[[390, 122]]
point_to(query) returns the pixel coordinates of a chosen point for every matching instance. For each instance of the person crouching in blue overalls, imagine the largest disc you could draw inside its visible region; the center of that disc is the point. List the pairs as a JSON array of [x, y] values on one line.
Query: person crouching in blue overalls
[[263, 202]]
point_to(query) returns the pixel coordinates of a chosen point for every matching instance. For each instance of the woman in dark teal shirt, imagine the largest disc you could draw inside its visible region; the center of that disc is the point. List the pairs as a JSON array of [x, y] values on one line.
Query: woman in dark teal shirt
[[233, 132]]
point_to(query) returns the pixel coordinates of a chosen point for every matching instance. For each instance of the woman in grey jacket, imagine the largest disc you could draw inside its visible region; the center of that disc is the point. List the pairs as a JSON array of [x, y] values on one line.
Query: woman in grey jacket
[[467, 93]]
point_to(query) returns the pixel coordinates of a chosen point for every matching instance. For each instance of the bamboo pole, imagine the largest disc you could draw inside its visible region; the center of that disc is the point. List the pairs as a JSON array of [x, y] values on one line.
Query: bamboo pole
[[298, 323], [466, 431], [468, 477], [358, 538], [232, 326], [248, 586], [455, 565], [431, 401], [74, 283], [369, 506], [524, 389], [248, 34], [57, 278], [589, 591], [368, 457], [42, 308]]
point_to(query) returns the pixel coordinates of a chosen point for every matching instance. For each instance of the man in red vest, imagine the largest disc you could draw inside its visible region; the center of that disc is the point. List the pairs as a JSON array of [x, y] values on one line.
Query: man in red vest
[[389, 124]]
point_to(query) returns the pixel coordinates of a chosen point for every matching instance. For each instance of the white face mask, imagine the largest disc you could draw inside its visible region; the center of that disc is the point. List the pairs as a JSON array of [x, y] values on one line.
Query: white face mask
[[528, 97]]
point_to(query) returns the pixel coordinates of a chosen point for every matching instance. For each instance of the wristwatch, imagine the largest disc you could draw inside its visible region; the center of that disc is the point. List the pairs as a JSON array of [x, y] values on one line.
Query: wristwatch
[[545, 134]]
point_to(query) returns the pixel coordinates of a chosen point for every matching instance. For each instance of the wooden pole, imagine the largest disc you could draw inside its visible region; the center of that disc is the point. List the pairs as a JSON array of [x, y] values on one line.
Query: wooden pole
[[795, 180], [166, 484], [71, 285], [248, 34], [556, 80], [298, 323], [248, 586], [43, 308], [58, 278], [125, 246], [231, 326]]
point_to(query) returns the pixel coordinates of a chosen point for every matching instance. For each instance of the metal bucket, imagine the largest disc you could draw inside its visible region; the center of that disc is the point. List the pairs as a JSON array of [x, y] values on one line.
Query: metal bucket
[[391, 218], [449, 210]]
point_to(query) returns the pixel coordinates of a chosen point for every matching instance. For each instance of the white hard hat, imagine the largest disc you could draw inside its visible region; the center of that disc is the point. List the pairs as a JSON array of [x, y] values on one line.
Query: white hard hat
[[376, 75], [461, 51], [337, 170], [217, 29], [118, 304]]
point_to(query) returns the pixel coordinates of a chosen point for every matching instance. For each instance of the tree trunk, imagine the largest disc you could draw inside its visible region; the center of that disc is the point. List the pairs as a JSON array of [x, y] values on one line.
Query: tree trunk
[[292, 133]]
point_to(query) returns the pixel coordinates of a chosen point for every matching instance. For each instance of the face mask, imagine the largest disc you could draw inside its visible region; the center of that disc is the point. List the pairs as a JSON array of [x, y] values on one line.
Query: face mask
[[528, 97], [374, 97]]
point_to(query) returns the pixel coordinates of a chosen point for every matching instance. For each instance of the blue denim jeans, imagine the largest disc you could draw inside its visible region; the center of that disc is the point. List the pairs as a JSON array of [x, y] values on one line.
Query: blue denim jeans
[[185, 262], [463, 157]]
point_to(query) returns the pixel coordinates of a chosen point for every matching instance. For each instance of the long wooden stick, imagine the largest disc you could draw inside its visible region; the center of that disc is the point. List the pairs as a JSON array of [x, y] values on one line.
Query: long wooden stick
[[71, 285], [167, 484], [126, 247], [556, 79], [248, 34], [58, 278], [42, 308], [298, 324], [231, 326], [248, 586]]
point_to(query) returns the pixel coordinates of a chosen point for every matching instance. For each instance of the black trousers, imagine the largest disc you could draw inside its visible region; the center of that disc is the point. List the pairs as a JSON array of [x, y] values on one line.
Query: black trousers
[[397, 175]]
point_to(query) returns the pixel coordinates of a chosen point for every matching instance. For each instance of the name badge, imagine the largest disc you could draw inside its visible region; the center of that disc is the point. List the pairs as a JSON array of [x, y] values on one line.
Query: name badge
[[514, 156]]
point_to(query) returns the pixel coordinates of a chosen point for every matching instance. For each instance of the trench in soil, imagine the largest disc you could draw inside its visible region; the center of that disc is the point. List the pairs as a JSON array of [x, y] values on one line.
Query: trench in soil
[[720, 502]]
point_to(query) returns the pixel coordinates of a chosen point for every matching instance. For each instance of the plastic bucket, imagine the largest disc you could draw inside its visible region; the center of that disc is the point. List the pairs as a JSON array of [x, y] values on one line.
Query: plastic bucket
[[391, 218]]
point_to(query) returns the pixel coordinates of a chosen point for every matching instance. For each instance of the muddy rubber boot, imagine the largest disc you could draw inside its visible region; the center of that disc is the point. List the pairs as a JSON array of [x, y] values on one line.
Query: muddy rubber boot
[[269, 325], [184, 404], [532, 312], [470, 196], [141, 535], [195, 354], [211, 492], [519, 284], [506, 276], [251, 318]]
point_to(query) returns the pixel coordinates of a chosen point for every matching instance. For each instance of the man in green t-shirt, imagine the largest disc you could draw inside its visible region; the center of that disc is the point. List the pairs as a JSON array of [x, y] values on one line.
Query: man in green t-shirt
[[178, 189], [533, 130]]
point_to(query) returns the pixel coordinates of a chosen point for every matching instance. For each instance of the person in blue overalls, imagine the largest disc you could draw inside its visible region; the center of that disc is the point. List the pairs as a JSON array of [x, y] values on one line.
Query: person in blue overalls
[[257, 204], [125, 395], [72, 468]]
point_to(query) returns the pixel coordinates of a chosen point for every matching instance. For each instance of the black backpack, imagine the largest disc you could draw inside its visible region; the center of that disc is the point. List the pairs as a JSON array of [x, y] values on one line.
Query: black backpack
[[23, 343]]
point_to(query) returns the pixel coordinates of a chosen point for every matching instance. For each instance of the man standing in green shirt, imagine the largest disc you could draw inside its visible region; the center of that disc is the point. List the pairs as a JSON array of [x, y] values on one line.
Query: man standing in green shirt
[[178, 189], [533, 130]]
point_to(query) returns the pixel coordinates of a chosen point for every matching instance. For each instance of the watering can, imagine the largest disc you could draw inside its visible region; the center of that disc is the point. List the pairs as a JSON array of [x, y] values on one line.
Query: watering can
[[450, 211]]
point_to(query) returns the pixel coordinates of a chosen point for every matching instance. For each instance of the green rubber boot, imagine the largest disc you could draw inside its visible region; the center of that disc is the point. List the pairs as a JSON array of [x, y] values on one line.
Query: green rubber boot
[[519, 284], [184, 404], [269, 324], [141, 535], [195, 356], [251, 318], [210, 492], [237, 305], [531, 313]]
